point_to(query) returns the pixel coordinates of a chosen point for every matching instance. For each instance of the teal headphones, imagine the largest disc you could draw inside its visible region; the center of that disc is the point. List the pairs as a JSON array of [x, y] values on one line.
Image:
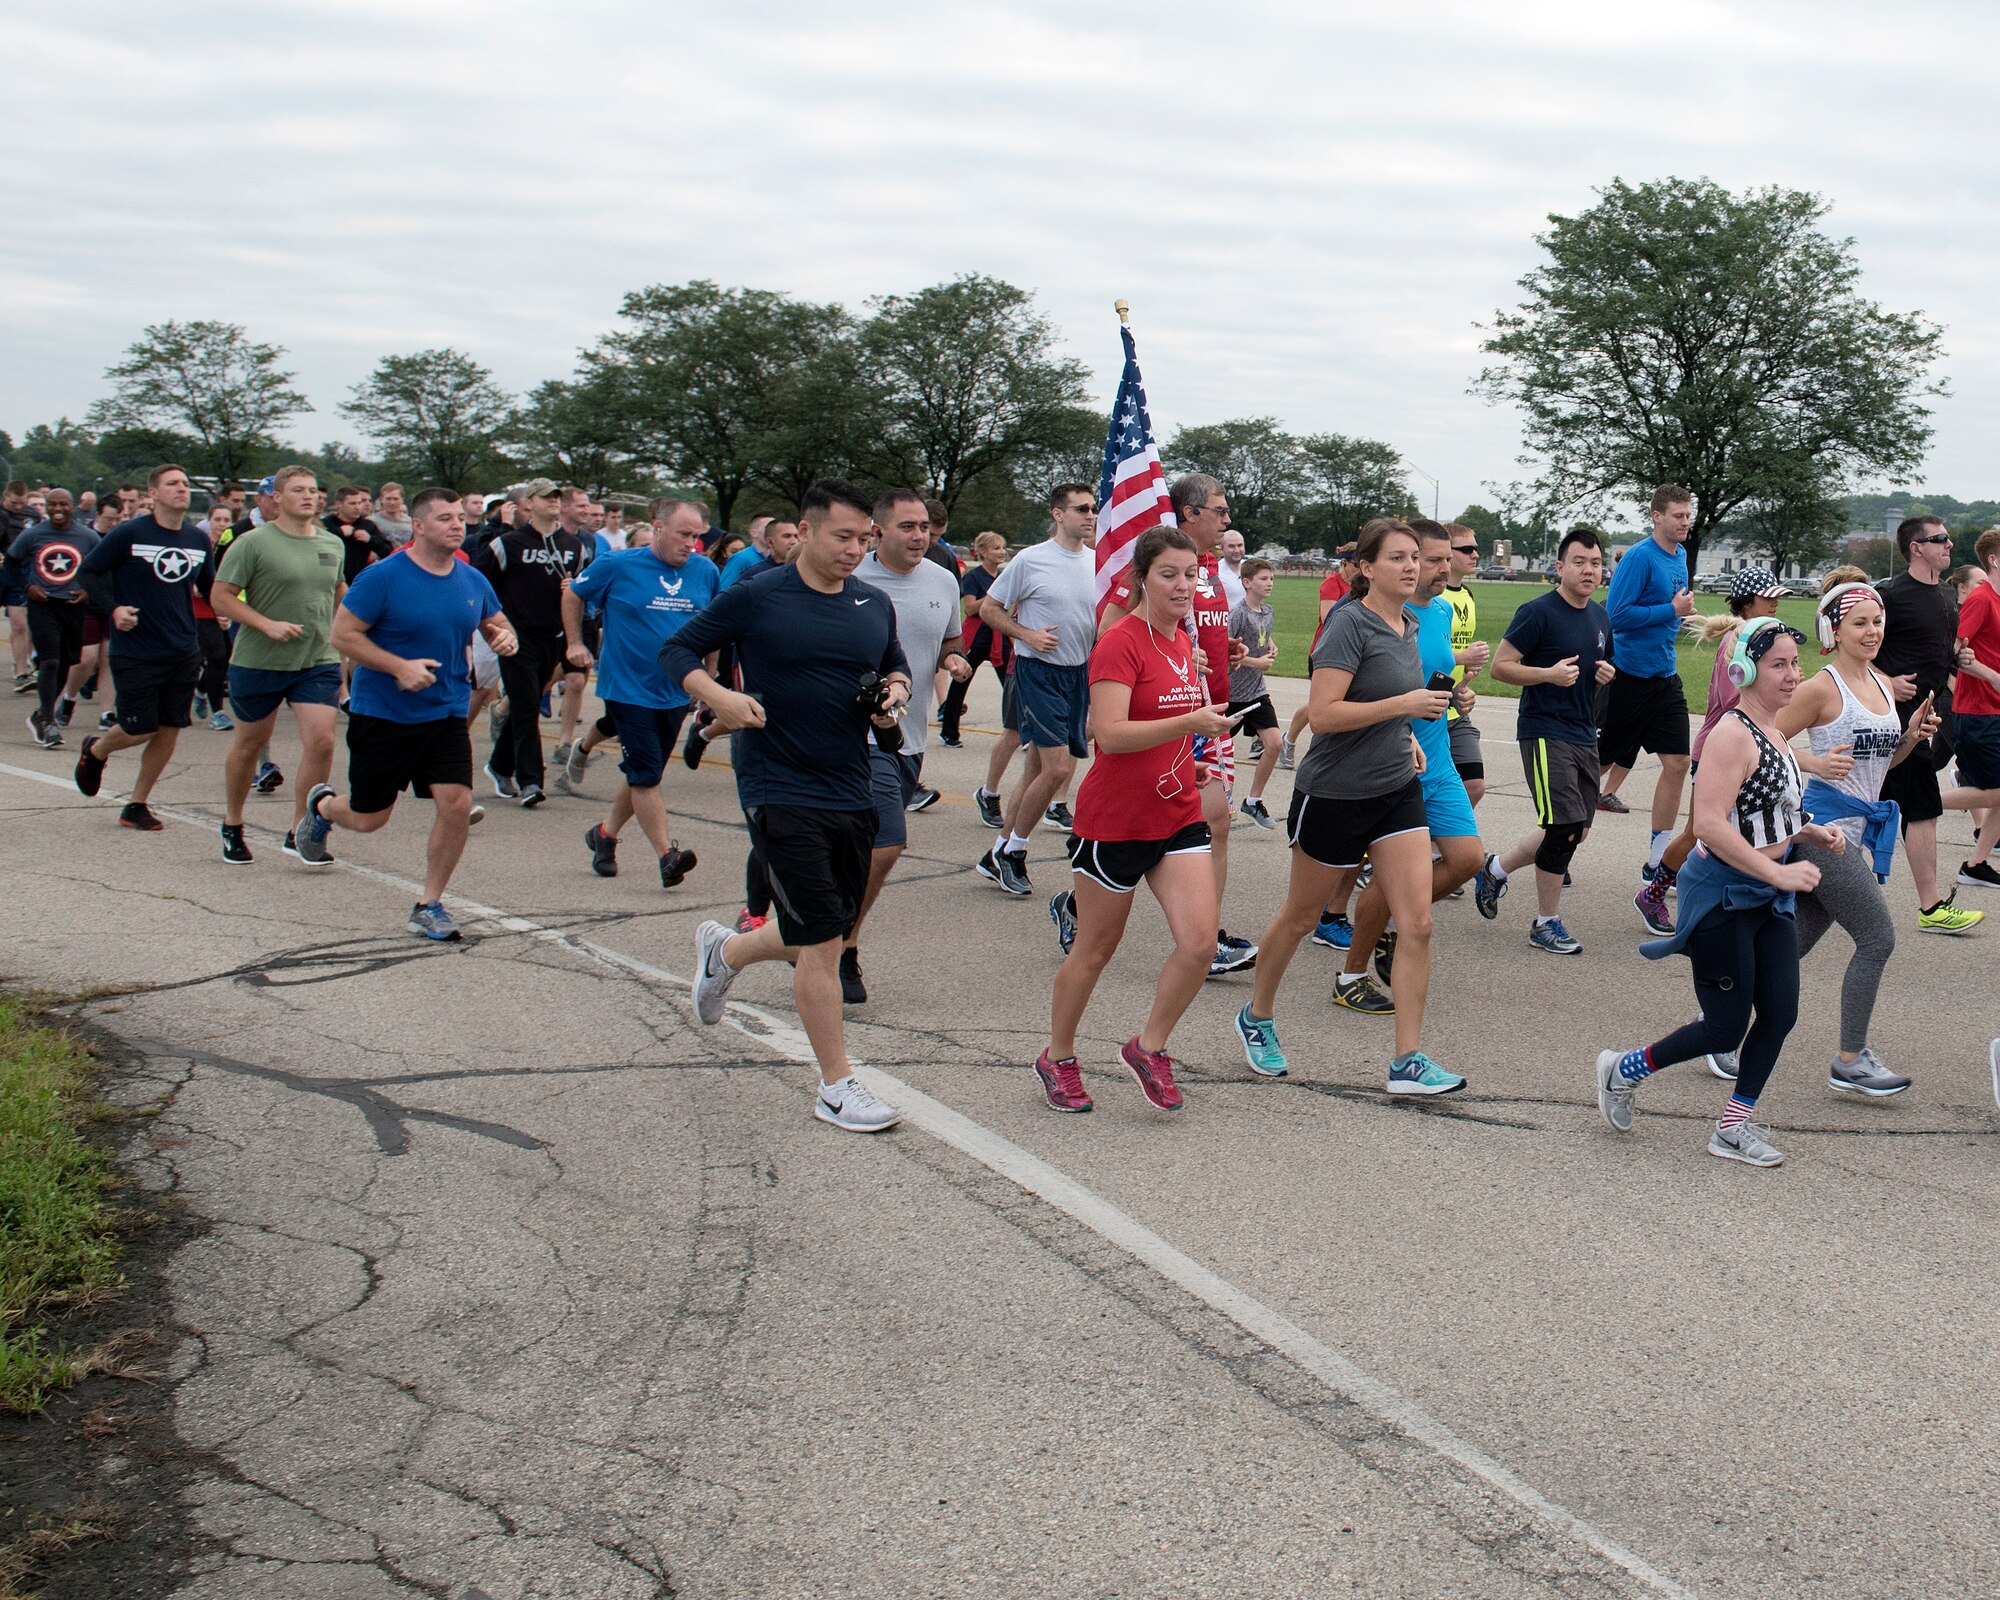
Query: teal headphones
[[1753, 641]]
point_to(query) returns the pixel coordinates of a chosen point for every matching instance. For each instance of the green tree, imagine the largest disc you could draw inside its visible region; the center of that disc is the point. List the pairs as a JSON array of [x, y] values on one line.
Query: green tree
[[65, 454], [971, 383], [1487, 524], [1682, 333], [572, 431], [207, 381], [1797, 521], [1351, 481], [438, 414], [1262, 468]]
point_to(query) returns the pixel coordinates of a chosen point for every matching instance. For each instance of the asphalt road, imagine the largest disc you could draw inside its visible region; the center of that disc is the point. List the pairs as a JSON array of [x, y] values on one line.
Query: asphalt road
[[521, 1283]]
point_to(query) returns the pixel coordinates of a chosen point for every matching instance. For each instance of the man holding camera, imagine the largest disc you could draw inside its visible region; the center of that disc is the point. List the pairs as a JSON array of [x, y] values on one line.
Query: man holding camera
[[821, 662]]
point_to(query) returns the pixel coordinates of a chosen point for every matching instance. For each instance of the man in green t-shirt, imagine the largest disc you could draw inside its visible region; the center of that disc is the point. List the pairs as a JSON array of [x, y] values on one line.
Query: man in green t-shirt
[[280, 583]]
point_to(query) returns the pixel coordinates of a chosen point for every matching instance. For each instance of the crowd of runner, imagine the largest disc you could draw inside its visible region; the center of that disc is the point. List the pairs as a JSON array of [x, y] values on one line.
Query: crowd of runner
[[815, 646]]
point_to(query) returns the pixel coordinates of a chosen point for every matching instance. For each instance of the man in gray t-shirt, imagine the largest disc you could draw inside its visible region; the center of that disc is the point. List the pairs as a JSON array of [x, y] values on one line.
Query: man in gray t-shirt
[[1051, 586], [1377, 759], [926, 602]]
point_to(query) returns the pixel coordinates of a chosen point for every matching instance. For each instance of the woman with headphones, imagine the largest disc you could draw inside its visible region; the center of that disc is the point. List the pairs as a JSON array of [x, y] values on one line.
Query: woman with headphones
[[1138, 818], [1737, 901], [1850, 713]]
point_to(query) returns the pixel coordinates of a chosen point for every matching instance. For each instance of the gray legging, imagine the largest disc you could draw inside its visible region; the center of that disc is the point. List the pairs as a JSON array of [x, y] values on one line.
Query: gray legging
[[1849, 895]]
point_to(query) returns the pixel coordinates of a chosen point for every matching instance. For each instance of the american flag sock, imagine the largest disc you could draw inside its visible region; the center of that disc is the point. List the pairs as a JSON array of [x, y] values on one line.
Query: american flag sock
[[1736, 1113], [1635, 1064]]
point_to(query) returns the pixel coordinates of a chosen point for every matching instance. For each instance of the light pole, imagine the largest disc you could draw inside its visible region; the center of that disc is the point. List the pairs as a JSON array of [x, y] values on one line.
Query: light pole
[[1419, 471]]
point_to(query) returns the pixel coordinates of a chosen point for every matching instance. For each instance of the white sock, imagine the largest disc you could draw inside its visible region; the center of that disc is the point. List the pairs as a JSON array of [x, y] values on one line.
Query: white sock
[[1015, 841], [1349, 977], [985, 793], [1495, 870], [1661, 839], [1543, 922]]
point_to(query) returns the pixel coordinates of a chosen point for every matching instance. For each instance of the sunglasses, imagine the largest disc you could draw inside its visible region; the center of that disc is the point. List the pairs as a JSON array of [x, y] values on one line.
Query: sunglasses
[[1933, 538], [1465, 549]]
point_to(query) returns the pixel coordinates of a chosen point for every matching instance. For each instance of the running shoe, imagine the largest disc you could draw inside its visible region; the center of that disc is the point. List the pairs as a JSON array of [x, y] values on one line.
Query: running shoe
[[222, 722], [496, 719], [923, 799], [988, 865], [1360, 994], [1334, 932], [853, 992], [106, 721], [1553, 937], [1944, 917], [559, 757], [1155, 1071], [234, 850], [476, 814], [270, 778], [1865, 1076], [23, 682], [1014, 872], [1615, 1091], [314, 828], [1231, 955], [1417, 1074], [1367, 875], [1385, 956], [1487, 888], [1062, 1084], [1979, 874], [65, 709], [1259, 1036], [429, 918], [1258, 813], [137, 814], [712, 975], [576, 763], [950, 741], [1611, 803], [1652, 905], [89, 772], [48, 732], [1747, 1143], [1722, 1064], [989, 808], [849, 1104], [1256, 747], [1058, 817], [505, 788], [1288, 755], [531, 796], [1062, 912], [603, 852], [199, 709], [675, 865], [747, 921], [695, 746]]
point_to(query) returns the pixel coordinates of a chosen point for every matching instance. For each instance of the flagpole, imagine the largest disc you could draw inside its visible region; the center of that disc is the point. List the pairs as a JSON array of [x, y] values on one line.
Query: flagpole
[[1124, 310]]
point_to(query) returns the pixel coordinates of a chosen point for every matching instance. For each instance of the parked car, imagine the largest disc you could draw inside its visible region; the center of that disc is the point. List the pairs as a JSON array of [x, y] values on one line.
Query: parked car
[[1807, 588], [1712, 582], [1492, 574]]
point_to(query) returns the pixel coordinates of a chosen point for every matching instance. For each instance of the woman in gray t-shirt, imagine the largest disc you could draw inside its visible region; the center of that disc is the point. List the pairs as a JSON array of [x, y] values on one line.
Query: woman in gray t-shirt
[[1359, 794]]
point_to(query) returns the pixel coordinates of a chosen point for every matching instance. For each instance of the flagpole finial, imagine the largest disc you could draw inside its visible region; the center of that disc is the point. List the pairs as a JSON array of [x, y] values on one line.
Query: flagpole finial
[[1124, 311]]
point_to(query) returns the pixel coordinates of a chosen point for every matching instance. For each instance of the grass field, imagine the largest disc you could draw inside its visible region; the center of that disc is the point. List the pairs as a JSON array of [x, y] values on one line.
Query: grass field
[[1296, 601]]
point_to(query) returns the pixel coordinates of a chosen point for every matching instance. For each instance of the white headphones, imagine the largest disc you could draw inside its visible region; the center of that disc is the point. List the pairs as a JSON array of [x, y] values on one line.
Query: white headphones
[[1830, 610]]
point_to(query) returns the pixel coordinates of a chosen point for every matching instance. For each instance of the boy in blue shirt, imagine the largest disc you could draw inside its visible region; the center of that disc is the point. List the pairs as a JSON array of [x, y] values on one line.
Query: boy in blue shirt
[[647, 594]]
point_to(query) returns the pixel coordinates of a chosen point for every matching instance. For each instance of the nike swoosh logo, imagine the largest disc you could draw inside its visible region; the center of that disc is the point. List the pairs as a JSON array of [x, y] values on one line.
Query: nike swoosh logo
[[861, 602]]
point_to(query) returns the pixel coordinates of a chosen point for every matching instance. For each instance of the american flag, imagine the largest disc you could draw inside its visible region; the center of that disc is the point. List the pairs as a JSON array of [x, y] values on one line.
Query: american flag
[[1132, 493]]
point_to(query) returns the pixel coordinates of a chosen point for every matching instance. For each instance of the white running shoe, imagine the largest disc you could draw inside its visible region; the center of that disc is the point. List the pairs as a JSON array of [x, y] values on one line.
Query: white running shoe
[[712, 975], [1747, 1144], [849, 1104]]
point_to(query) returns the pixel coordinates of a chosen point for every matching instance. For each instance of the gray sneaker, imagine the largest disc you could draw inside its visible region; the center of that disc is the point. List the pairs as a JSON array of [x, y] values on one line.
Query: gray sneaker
[[1615, 1091], [1866, 1076], [1723, 1065], [1288, 755], [1013, 865], [1747, 1144], [505, 788], [569, 776], [712, 975], [430, 919], [848, 1104]]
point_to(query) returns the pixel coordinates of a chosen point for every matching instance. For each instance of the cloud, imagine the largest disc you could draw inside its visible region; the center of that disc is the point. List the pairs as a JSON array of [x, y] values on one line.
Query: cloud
[[1310, 206]]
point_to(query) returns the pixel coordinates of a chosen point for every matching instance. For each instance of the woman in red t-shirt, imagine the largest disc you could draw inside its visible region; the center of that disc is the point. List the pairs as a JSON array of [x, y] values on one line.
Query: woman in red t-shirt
[[1138, 816]]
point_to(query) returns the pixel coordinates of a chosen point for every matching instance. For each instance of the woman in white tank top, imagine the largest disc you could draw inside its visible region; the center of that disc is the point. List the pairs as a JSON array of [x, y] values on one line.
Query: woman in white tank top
[[1856, 735]]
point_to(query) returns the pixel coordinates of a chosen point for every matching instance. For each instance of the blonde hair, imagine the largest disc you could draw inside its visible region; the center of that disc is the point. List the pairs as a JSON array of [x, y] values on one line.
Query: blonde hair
[[987, 540]]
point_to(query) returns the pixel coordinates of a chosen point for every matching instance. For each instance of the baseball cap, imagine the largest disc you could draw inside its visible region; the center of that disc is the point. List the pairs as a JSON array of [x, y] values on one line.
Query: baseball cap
[[1751, 583], [268, 485], [535, 486]]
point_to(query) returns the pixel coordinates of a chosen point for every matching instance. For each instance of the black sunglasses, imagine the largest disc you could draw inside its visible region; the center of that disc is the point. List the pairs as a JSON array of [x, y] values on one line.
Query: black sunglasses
[[1465, 549], [1933, 538]]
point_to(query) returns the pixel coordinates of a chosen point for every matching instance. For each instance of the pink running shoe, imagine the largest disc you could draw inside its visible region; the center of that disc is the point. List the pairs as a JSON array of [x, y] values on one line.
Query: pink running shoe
[[1155, 1072], [1062, 1084]]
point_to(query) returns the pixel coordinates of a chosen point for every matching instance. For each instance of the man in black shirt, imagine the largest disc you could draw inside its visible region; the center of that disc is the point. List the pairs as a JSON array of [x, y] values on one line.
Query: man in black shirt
[[815, 648], [361, 541], [528, 566], [1918, 657], [144, 575]]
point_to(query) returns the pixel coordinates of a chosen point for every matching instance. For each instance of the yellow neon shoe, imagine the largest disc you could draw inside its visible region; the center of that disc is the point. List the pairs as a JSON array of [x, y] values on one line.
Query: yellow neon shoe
[[1944, 917]]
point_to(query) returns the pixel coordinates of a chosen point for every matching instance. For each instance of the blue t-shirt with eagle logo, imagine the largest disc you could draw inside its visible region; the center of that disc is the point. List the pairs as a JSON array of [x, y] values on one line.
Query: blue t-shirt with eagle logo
[[645, 603]]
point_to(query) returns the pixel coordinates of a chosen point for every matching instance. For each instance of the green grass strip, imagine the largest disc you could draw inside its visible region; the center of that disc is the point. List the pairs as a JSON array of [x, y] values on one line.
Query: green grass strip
[[56, 1211]]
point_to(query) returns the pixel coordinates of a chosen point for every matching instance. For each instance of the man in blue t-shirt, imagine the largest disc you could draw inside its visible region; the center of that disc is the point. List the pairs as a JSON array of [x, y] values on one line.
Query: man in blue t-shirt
[[1555, 650], [407, 625], [821, 661], [1645, 708], [647, 595]]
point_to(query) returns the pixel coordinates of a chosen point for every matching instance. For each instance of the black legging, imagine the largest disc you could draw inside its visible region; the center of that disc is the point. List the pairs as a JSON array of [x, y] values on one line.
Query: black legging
[[214, 661], [1743, 961], [525, 677], [980, 650], [56, 627]]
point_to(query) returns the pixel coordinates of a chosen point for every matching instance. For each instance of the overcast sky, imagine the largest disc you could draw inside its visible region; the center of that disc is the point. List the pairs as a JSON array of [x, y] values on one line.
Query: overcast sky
[[1309, 206]]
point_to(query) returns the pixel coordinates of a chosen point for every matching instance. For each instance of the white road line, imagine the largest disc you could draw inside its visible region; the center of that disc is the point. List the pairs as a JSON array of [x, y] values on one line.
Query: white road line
[[1037, 1177]]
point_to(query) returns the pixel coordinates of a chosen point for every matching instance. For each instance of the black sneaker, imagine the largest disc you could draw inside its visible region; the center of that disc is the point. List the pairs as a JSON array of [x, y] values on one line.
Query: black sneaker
[[1057, 816], [923, 799], [1014, 872], [1062, 912], [853, 991], [270, 778], [1979, 874], [696, 744], [989, 808], [531, 796], [1360, 994], [603, 852], [89, 772], [140, 815], [988, 865], [234, 850], [1385, 955], [950, 741], [66, 708], [675, 865]]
